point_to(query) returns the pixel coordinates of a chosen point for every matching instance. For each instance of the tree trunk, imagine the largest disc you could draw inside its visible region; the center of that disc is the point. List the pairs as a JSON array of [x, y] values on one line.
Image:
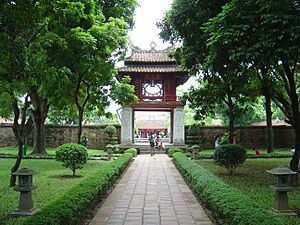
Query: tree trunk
[[80, 118], [13, 178], [295, 159], [38, 114], [38, 134], [290, 74], [81, 107], [231, 120], [21, 132], [270, 145]]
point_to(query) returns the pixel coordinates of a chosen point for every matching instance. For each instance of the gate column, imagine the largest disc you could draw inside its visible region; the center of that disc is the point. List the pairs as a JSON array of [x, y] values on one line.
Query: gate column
[[126, 126], [178, 126]]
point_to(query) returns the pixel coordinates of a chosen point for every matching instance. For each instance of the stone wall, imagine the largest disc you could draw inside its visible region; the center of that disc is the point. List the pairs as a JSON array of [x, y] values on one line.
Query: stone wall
[[57, 135], [7, 137], [248, 136]]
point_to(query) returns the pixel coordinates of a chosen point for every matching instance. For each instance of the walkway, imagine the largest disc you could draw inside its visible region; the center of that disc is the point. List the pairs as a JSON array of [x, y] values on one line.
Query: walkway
[[151, 192]]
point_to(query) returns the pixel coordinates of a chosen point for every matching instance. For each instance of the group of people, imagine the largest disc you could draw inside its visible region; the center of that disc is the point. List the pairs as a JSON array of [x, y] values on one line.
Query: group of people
[[154, 142]]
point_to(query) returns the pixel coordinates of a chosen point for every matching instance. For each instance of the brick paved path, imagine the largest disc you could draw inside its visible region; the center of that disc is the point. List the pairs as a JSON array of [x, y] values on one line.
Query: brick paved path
[[151, 192]]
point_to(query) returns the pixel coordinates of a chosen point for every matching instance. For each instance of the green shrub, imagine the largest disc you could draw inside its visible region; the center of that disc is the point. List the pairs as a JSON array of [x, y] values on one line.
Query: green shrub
[[73, 156], [132, 151], [110, 130], [230, 156], [229, 205], [76, 205], [174, 150]]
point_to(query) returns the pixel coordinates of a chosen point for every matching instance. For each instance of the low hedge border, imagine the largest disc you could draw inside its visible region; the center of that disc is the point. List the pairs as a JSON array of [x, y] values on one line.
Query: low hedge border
[[229, 205], [75, 205], [249, 156], [94, 157]]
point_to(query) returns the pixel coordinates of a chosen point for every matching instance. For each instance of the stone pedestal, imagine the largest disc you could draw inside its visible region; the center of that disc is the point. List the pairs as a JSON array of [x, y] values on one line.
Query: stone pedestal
[[26, 207], [178, 126], [127, 126], [281, 201]]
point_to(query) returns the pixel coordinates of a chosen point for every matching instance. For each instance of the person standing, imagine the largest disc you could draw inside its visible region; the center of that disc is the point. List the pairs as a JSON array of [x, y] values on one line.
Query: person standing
[[151, 141]]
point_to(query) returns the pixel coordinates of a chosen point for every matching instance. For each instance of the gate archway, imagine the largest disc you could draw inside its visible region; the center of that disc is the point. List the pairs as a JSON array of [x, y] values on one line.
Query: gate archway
[[155, 76]]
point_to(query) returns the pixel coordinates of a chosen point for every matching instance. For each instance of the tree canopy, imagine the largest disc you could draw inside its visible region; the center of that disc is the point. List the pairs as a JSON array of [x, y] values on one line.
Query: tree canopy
[[252, 37]]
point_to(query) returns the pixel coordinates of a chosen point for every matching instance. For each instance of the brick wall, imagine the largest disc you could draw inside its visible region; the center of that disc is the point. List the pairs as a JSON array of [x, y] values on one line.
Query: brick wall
[[248, 136], [57, 135]]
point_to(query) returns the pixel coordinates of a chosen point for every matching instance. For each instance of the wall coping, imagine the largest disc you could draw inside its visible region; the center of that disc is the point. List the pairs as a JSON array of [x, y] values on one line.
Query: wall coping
[[66, 125]]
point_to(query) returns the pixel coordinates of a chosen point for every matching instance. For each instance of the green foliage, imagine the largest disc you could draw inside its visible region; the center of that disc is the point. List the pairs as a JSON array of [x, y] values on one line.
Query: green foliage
[[74, 206], [264, 37], [124, 93], [62, 53], [254, 182], [110, 130], [50, 179], [224, 140], [132, 151], [230, 156], [73, 156], [228, 204], [84, 139], [171, 151]]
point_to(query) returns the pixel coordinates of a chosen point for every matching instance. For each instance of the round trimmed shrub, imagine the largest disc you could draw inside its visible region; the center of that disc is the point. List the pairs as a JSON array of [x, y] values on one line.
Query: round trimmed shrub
[[230, 156], [73, 156], [110, 130]]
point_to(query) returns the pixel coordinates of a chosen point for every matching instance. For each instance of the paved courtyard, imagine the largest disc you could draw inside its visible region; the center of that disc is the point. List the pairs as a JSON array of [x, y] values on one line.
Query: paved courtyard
[[151, 192]]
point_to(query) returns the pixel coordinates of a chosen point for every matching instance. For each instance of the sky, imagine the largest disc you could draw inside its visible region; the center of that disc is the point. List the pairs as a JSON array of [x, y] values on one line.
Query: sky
[[145, 31]]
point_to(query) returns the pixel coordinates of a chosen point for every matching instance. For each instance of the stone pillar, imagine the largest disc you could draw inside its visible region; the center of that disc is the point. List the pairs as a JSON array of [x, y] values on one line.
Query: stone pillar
[[178, 126], [126, 126]]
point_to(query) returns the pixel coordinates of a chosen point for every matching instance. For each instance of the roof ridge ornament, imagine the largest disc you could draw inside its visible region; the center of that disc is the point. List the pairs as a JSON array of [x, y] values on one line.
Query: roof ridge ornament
[[153, 46]]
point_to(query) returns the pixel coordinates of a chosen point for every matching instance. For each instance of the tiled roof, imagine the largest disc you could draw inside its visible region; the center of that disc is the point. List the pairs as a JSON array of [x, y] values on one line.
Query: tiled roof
[[152, 69], [150, 56]]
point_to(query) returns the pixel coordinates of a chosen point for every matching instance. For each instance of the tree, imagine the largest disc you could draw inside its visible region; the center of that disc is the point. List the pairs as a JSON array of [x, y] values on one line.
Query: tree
[[23, 35], [95, 35], [16, 20], [183, 23], [123, 92], [73, 156], [230, 156], [119, 9], [267, 35], [22, 123], [43, 37], [218, 90]]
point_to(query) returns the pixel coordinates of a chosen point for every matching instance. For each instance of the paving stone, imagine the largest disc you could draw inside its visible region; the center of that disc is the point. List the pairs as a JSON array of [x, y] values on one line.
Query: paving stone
[[151, 192]]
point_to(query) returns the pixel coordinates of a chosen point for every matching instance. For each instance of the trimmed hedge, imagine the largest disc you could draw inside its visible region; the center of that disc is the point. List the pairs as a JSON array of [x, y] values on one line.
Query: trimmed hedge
[[171, 151], [74, 206], [229, 205], [132, 151], [249, 156]]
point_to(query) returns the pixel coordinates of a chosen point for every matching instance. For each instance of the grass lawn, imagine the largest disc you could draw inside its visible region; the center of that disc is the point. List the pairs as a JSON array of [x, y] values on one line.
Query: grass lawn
[[50, 179], [50, 151], [253, 180]]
